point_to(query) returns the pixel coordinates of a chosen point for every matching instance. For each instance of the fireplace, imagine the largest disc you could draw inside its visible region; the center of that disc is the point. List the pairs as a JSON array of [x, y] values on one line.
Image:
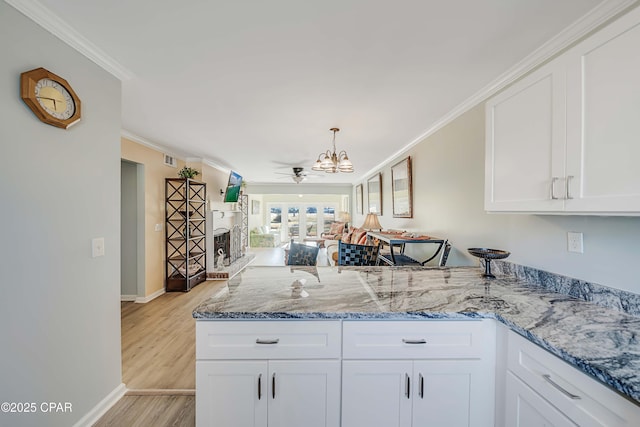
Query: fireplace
[[228, 244]]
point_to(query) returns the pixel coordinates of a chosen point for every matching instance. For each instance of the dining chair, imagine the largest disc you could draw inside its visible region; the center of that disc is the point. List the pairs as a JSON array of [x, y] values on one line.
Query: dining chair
[[353, 254], [301, 254], [445, 254]]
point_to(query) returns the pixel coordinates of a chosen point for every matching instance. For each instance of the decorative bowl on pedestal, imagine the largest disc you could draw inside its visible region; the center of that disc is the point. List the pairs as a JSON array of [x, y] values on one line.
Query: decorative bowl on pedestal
[[488, 255]]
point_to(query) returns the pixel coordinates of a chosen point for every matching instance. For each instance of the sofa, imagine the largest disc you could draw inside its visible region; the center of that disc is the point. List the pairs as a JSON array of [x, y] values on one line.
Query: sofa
[[263, 237], [335, 232]]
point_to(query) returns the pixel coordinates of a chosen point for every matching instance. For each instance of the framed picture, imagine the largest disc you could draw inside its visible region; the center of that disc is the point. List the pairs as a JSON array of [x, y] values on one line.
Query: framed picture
[[374, 193], [359, 195], [255, 207], [402, 189]]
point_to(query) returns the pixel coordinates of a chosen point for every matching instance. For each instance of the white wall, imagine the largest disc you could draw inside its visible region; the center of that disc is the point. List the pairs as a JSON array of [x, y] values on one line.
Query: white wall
[[60, 308], [448, 186]]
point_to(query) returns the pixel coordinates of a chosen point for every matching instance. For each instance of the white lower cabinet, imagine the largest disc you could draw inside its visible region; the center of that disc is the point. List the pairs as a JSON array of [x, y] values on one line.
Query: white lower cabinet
[[391, 374], [404, 393], [543, 390], [282, 393], [526, 408], [268, 374], [437, 373]]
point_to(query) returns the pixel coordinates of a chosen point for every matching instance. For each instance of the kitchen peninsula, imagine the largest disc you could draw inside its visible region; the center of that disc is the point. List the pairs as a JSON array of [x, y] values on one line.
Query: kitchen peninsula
[[439, 337]]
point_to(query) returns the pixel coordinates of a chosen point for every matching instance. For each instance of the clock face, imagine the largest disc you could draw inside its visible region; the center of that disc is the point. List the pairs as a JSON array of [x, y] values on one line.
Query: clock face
[[54, 98], [50, 98]]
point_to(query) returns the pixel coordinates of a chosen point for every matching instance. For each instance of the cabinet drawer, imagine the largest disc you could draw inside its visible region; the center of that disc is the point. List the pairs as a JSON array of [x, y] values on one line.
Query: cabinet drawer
[[422, 339], [581, 398], [279, 339]]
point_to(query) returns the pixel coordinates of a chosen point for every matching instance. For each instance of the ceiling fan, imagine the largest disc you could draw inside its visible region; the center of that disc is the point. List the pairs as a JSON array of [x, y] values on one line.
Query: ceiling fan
[[298, 174]]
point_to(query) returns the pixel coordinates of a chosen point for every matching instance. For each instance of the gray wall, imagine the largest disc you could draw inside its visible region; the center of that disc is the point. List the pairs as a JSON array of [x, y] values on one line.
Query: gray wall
[[129, 229], [448, 172], [59, 309]]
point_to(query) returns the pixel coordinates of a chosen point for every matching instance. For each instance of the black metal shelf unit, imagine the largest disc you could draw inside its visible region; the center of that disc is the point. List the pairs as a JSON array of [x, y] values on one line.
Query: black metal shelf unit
[[186, 248]]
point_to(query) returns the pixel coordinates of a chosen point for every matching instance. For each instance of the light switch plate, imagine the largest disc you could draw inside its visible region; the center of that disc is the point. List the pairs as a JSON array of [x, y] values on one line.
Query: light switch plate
[[97, 247], [158, 227], [574, 242]]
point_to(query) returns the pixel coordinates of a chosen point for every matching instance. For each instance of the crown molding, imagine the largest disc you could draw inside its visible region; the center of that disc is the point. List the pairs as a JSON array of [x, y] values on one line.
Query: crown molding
[[48, 20], [164, 149], [567, 37], [154, 146], [208, 163]]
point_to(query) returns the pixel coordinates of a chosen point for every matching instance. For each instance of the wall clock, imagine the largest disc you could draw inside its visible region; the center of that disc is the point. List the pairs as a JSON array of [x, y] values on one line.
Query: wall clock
[[50, 97]]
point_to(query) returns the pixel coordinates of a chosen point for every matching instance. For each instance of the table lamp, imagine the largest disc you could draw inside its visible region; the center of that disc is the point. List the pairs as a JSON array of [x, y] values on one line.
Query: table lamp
[[371, 222]]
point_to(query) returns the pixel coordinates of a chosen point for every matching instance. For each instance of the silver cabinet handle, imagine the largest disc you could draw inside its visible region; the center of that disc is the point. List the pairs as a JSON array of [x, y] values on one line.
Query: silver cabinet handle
[[547, 377], [568, 181], [421, 392], [407, 391], [259, 386], [553, 188], [275, 341], [420, 341], [273, 386]]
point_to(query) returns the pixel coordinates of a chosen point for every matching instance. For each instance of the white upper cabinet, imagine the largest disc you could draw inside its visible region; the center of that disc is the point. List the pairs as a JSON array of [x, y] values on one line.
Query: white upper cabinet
[[603, 120], [525, 143], [566, 138]]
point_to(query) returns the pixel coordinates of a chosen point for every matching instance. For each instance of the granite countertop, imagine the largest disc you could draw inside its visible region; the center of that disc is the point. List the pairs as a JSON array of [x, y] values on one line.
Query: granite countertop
[[599, 341]]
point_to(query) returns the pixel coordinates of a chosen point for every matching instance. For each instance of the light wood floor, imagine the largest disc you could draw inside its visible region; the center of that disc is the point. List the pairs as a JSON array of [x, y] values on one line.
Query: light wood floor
[[158, 355], [158, 360]]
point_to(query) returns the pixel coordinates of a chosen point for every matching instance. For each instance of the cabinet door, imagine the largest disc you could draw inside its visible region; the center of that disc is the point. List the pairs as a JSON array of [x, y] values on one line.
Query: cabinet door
[[603, 130], [456, 393], [525, 408], [376, 393], [304, 393], [525, 143], [231, 394]]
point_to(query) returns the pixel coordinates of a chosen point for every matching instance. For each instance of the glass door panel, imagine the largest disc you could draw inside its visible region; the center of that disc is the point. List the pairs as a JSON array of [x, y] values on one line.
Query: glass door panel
[[275, 218], [311, 221], [328, 217], [293, 222]]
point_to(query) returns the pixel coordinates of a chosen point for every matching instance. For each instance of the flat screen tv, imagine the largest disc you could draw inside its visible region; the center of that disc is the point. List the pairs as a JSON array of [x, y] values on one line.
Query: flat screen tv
[[233, 188]]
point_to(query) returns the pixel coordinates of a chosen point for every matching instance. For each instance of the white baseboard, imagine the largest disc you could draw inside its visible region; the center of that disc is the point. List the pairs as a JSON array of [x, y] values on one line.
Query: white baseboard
[[102, 407], [128, 297], [156, 294]]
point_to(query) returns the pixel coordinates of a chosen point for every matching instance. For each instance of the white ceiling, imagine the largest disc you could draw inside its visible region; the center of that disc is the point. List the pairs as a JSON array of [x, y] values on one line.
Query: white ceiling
[[255, 85]]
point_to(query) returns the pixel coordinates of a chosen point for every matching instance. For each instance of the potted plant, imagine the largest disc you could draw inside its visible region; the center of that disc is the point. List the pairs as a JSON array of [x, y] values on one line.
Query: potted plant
[[186, 172]]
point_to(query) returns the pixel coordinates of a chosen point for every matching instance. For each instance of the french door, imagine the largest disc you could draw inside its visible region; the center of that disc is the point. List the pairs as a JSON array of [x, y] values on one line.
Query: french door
[[299, 221]]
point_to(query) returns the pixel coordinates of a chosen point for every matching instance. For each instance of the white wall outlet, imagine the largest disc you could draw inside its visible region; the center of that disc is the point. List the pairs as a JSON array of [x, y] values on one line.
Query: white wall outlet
[[574, 242], [158, 227], [97, 247]]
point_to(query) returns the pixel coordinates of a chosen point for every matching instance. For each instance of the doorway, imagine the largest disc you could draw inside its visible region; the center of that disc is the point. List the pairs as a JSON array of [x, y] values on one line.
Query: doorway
[[300, 220], [132, 277]]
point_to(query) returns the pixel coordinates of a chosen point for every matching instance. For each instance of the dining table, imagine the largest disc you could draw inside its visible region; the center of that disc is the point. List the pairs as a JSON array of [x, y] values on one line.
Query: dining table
[[399, 241]]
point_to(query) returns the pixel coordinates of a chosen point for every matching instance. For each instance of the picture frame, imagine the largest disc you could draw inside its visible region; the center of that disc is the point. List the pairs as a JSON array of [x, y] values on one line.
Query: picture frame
[[255, 207], [374, 194], [402, 189], [359, 197]]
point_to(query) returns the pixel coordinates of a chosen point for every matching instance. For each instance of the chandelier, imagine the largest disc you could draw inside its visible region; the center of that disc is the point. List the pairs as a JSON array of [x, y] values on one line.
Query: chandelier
[[330, 162]]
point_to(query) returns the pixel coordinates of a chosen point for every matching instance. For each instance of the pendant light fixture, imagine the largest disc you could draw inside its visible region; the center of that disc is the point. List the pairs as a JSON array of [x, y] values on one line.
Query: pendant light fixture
[[330, 162]]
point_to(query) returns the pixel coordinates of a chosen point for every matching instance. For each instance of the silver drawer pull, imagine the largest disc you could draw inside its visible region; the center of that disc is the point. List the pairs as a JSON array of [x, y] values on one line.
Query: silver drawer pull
[[406, 341], [547, 377], [568, 182], [553, 188], [259, 341]]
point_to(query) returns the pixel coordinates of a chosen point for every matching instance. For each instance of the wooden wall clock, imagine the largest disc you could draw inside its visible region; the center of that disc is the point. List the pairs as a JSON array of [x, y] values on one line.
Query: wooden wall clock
[[50, 97]]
